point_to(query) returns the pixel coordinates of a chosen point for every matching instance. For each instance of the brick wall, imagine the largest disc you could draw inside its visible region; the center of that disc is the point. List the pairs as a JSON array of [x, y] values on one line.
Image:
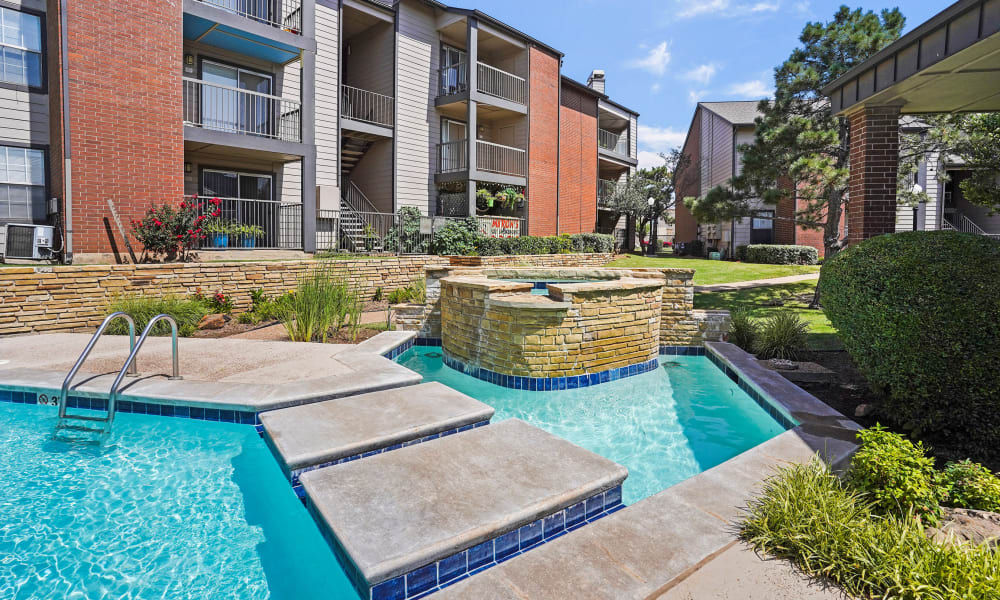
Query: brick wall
[[784, 212], [125, 112], [577, 162], [871, 209], [689, 184], [543, 145], [574, 332]]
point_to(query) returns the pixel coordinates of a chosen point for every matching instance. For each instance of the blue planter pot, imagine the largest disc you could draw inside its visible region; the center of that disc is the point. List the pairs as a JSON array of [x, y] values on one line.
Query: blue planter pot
[[220, 240], [249, 242]]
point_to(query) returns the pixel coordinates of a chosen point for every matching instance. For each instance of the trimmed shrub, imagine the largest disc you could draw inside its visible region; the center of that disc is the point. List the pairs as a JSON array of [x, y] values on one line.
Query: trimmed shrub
[[593, 242], [187, 313], [457, 238], [782, 335], [777, 254], [741, 253], [971, 485], [919, 312], [744, 329], [897, 474], [697, 248]]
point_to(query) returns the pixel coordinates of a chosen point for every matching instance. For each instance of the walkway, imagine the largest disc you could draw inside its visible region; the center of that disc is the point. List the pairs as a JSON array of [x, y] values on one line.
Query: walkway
[[739, 285]]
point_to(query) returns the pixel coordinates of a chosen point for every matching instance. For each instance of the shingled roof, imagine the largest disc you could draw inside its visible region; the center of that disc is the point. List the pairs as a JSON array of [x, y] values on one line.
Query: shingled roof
[[737, 113]]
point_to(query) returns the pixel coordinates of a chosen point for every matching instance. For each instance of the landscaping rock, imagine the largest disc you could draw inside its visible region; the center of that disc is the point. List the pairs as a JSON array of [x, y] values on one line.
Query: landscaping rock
[[783, 364], [962, 525], [863, 410], [217, 321], [801, 372]]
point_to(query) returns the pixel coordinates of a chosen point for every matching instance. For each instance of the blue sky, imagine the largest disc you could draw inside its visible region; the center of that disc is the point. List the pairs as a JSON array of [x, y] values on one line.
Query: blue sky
[[662, 56]]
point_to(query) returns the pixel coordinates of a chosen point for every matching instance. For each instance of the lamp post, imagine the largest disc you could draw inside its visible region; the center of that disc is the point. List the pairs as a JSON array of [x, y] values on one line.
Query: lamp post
[[652, 226]]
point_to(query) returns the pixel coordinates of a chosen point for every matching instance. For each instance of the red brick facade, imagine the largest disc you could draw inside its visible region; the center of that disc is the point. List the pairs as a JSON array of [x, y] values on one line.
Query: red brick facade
[[543, 145], [577, 161], [871, 209], [125, 109], [689, 184]]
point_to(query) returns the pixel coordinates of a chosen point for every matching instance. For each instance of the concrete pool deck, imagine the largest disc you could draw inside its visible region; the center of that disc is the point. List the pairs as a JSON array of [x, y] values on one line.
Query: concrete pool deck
[[226, 373]]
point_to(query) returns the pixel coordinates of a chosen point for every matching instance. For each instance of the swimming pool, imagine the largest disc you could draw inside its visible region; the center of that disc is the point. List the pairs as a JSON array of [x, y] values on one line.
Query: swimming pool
[[665, 426], [167, 508]]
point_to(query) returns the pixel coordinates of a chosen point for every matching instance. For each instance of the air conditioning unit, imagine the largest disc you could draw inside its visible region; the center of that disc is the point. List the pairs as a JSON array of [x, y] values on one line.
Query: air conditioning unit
[[29, 241]]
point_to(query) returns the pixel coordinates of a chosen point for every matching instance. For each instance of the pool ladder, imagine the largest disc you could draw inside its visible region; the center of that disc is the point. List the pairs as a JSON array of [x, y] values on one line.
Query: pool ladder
[[129, 368]]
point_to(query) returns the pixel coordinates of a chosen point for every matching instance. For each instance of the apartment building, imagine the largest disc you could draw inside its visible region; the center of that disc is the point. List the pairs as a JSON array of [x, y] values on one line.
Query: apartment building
[[312, 120], [717, 131]]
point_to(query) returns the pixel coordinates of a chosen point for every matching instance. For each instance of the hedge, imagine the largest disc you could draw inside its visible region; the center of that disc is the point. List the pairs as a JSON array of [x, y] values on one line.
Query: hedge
[[920, 314], [777, 254], [463, 238]]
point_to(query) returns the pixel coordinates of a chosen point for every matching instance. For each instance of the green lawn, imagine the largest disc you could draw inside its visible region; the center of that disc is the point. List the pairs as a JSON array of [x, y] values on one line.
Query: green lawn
[[822, 335], [708, 272]]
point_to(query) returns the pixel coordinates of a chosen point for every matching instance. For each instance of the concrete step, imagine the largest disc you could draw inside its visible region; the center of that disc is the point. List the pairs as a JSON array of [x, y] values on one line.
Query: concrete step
[[408, 522], [311, 436]]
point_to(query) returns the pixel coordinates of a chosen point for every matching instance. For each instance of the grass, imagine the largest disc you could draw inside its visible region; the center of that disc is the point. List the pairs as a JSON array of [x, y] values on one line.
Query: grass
[[708, 272], [187, 312], [821, 334], [808, 515]]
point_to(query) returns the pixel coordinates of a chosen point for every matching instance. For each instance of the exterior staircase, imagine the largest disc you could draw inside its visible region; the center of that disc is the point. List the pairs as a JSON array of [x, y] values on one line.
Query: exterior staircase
[[357, 216], [960, 222]]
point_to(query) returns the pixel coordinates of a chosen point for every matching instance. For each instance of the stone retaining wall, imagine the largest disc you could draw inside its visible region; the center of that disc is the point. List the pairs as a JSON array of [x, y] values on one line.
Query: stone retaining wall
[[534, 260], [581, 328], [75, 298]]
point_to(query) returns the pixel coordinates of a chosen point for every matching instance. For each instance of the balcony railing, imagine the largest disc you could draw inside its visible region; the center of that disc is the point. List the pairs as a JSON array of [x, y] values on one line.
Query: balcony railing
[[454, 79], [495, 82], [605, 189], [281, 14], [496, 158], [615, 142], [250, 224], [453, 156], [233, 110], [370, 107]]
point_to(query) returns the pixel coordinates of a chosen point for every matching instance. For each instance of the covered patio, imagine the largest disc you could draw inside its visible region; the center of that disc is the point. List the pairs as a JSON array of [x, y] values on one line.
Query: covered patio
[[950, 64]]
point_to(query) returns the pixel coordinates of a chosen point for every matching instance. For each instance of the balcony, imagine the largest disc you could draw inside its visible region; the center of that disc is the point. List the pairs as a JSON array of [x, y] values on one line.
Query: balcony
[[490, 158], [453, 156], [285, 15], [247, 224], [613, 142], [367, 107], [490, 81], [223, 108], [605, 189]]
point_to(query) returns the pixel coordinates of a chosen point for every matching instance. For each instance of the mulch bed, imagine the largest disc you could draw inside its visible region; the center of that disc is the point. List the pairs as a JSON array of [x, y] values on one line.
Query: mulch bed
[[230, 328]]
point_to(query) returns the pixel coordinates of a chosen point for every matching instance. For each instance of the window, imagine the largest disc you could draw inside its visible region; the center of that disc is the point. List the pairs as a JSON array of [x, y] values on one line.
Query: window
[[22, 184], [20, 48]]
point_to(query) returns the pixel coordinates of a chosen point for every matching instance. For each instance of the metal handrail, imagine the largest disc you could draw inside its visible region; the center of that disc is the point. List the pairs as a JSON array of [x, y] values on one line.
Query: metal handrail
[[64, 391], [497, 158], [113, 395], [497, 82], [366, 106]]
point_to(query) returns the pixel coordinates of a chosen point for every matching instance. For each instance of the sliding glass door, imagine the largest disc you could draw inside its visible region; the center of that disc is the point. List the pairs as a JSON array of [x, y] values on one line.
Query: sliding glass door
[[239, 100], [247, 203]]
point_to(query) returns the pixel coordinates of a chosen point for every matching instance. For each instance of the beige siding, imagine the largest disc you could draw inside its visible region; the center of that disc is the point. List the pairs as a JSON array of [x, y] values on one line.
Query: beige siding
[[373, 175], [935, 194], [370, 64], [24, 117], [289, 179], [633, 136], [418, 124], [327, 104]]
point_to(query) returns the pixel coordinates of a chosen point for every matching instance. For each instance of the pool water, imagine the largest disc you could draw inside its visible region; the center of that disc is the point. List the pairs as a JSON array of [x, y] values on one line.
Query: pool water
[[167, 508], [664, 426]]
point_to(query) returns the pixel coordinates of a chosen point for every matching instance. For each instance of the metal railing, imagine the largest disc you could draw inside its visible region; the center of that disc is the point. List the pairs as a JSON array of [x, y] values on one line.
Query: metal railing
[[282, 14], [497, 158], [615, 142], [64, 391], [130, 361], [386, 233], [225, 108], [605, 189], [453, 79], [244, 224], [966, 225], [496, 82], [370, 107], [453, 156]]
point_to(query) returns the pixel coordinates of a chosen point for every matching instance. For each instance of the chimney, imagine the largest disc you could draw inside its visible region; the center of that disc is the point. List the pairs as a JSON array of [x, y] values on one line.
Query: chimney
[[596, 80]]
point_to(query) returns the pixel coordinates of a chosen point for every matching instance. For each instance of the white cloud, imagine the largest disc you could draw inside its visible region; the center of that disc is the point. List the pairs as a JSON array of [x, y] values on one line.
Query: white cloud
[[702, 74], [655, 61], [764, 7], [723, 8], [700, 7], [648, 160], [695, 96], [655, 88], [756, 89], [653, 140]]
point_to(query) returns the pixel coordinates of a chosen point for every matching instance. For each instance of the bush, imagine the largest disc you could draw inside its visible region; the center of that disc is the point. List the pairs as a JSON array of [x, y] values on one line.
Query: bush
[[744, 329], [321, 304], [187, 313], [457, 238], [697, 248], [971, 485], [919, 312], [782, 335], [415, 292], [777, 254], [741, 253], [897, 474], [593, 242], [808, 515], [405, 236]]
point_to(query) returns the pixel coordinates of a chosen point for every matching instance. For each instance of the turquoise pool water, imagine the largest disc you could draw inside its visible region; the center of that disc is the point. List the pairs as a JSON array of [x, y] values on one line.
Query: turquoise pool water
[[169, 508], [665, 426]]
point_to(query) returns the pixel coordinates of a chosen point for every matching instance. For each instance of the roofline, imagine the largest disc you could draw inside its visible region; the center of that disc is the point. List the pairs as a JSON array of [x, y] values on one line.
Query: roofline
[[493, 21], [709, 109], [621, 106], [926, 27], [583, 87]]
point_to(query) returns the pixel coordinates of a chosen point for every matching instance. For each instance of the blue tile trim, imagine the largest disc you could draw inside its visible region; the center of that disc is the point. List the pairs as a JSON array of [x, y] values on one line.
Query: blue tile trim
[[426, 580], [746, 384], [427, 341], [550, 384], [392, 354], [132, 406], [293, 475], [682, 351]]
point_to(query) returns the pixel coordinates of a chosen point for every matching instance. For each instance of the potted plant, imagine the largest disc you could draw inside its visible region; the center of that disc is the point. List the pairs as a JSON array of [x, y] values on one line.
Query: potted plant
[[218, 232], [248, 235], [484, 199]]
